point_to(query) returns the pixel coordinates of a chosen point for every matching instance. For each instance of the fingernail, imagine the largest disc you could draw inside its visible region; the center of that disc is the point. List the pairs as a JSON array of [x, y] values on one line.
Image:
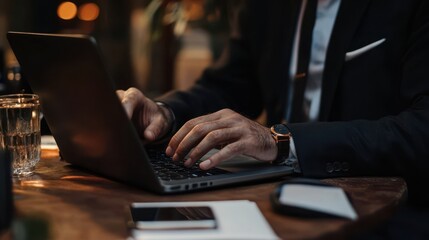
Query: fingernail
[[188, 162], [175, 157], [206, 164], [150, 135], [169, 151]]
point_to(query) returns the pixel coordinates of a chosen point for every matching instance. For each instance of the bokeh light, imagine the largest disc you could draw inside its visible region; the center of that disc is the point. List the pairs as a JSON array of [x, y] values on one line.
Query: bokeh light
[[67, 10], [88, 12]]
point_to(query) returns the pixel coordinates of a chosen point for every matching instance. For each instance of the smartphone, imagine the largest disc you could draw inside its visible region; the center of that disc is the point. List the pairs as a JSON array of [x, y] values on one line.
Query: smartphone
[[172, 218]]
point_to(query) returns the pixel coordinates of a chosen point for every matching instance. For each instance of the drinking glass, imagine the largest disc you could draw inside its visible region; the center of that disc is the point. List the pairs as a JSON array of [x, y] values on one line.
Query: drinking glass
[[20, 131]]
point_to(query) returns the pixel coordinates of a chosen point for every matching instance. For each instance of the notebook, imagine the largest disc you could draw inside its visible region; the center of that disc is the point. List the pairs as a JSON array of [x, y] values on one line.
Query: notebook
[[90, 126]]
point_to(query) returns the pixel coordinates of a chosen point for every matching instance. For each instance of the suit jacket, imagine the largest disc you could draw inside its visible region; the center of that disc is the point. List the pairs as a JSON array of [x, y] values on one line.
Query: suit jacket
[[374, 113]]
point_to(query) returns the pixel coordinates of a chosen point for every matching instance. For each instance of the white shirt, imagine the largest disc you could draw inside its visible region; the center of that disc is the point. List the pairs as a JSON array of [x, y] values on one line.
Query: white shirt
[[326, 14], [325, 18]]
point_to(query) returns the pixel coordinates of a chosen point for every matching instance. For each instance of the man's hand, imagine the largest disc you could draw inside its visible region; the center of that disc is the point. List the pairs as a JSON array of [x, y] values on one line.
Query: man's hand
[[151, 120], [238, 135]]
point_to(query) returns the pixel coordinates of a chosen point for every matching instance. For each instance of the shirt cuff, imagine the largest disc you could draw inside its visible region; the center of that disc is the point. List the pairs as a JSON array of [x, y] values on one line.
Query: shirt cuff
[[292, 160]]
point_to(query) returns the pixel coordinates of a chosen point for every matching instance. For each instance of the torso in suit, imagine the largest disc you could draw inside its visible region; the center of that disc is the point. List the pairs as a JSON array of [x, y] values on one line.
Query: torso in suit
[[374, 113]]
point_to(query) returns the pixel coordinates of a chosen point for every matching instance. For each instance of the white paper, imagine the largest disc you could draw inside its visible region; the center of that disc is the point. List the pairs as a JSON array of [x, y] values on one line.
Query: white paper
[[330, 200], [48, 142], [240, 219]]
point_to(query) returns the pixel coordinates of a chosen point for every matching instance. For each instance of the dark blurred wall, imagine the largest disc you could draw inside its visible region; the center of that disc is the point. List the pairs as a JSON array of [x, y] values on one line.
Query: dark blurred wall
[[113, 34], [111, 29], [3, 27], [36, 16]]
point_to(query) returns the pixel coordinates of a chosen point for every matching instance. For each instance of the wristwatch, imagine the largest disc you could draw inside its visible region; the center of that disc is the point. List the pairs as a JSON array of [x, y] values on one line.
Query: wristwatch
[[282, 135]]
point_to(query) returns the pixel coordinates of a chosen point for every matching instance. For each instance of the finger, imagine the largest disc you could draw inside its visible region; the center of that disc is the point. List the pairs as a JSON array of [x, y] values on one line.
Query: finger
[[187, 127], [213, 139], [120, 93], [226, 153], [156, 125], [130, 100], [193, 138]]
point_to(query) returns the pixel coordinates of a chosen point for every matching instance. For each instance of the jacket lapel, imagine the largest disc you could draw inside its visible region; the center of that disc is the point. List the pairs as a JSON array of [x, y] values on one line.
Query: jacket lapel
[[276, 56], [346, 24]]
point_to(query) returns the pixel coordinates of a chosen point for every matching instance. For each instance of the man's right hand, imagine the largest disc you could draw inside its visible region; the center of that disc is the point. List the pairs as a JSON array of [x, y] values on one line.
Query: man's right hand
[[151, 120]]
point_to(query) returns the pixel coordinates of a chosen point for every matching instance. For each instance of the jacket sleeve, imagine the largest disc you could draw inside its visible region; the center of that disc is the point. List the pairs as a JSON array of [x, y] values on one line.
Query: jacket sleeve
[[229, 83], [397, 144]]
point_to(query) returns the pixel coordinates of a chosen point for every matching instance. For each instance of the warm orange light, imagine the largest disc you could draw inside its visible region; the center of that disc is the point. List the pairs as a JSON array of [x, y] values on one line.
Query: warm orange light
[[32, 183], [88, 12], [67, 10]]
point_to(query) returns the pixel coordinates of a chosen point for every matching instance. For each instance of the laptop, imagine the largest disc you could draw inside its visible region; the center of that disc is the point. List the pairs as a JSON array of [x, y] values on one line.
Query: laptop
[[91, 128]]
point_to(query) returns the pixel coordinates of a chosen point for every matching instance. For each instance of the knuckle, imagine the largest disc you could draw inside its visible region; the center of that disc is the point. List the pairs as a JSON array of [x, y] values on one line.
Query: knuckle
[[133, 93], [181, 151], [238, 116], [223, 110], [189, 124], [214, 136], [133, 90], [196, 153], [234, 148], [199, 129], [226, 111], [174, 140]]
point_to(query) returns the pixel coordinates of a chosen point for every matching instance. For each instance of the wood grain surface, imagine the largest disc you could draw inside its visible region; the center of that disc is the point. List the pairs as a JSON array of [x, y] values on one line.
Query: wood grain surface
[[76, 204]]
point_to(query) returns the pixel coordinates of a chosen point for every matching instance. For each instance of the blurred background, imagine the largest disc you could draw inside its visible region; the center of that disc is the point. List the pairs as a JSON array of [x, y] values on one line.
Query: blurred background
[[154, 45]]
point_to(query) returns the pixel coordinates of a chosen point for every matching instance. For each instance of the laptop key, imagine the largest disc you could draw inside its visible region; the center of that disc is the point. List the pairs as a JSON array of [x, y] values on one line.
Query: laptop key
[[167, 169]]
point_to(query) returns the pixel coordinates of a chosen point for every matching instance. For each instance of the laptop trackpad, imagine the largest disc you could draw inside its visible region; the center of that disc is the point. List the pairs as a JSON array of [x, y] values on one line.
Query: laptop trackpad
[[239, 163]]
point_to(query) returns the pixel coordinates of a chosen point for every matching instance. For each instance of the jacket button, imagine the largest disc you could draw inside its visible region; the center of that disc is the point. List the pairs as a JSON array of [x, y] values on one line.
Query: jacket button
[[345, 166], [329, 167]]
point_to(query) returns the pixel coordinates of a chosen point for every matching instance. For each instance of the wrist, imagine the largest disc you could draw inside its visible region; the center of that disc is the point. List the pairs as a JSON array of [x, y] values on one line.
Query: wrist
[[168, 114], [281, 136], [273, 150]]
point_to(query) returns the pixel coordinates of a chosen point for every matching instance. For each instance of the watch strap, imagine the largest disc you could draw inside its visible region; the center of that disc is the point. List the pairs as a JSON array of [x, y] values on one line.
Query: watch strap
[[283, 148]]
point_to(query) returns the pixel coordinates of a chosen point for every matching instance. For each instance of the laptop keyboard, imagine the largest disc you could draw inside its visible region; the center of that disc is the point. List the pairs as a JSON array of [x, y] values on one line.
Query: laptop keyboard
[[169, 170]]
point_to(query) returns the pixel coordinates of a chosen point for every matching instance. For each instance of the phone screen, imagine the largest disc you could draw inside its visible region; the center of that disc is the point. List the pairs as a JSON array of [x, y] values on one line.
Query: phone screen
[[173, 217]]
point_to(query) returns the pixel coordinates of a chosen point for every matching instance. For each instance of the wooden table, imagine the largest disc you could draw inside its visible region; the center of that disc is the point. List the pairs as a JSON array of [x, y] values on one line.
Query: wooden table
[[78, 205]]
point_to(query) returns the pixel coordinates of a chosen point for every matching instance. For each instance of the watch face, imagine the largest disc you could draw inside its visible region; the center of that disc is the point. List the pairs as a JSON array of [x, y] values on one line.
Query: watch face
[[281, 129]]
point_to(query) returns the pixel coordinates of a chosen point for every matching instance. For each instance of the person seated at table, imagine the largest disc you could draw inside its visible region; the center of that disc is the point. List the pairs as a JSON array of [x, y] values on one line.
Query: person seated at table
[[350, 78]]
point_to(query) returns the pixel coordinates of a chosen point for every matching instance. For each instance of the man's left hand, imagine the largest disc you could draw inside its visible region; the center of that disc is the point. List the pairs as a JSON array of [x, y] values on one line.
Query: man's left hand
[[236, 133]]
